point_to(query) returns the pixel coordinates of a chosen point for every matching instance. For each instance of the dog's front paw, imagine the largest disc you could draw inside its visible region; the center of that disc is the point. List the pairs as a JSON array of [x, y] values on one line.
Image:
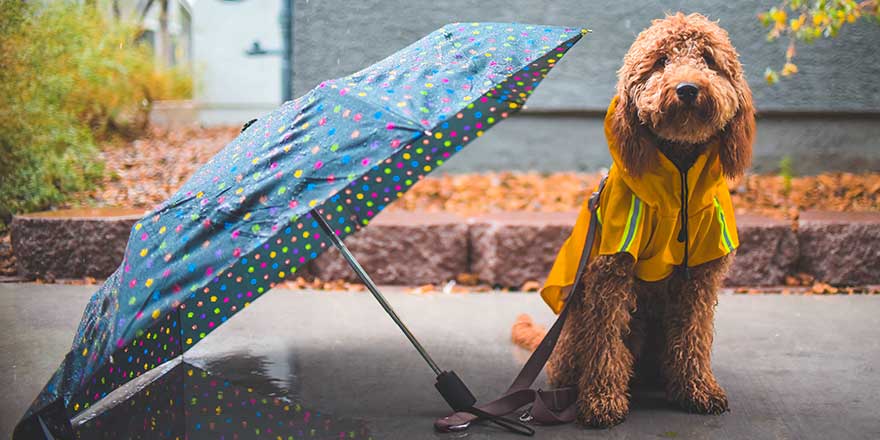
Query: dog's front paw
[[602, 410], [701, 399]]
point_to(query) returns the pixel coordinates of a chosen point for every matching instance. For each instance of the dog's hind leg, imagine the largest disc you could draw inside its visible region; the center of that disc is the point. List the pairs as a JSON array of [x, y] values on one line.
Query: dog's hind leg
[[689, 327], [600, 329]]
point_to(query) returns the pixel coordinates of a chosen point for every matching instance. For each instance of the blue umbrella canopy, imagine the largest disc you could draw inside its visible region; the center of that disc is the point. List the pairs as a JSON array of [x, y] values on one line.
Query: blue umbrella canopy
[[244, 221]]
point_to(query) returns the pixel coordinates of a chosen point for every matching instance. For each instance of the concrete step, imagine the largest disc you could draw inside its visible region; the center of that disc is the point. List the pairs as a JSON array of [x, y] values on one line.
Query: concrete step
[[505, 249]]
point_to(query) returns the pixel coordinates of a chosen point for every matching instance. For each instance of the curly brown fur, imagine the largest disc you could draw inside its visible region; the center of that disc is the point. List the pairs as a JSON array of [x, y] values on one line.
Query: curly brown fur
[[646, 332], [688, 327], [591, 351], [526, 333], [659, 330], [675, 50]]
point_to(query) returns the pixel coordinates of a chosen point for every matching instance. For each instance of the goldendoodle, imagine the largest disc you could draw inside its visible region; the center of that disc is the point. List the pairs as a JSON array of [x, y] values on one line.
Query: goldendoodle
[[681, 124]]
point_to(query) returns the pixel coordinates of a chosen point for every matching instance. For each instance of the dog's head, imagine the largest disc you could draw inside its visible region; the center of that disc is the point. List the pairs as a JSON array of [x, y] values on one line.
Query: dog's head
[[682, 84]]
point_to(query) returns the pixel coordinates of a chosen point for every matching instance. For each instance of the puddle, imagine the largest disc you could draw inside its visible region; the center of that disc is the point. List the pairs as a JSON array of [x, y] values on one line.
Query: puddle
[[235, 397]]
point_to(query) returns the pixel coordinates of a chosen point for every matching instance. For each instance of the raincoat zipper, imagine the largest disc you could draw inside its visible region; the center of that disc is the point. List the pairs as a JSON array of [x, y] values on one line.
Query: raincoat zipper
[[683, 236]]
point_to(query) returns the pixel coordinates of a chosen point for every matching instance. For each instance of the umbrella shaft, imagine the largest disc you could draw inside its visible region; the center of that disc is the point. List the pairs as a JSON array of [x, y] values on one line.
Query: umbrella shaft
[[371, 286]]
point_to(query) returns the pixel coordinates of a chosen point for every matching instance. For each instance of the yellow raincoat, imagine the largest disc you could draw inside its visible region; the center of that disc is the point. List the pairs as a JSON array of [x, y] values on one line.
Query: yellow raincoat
[[642, 216]]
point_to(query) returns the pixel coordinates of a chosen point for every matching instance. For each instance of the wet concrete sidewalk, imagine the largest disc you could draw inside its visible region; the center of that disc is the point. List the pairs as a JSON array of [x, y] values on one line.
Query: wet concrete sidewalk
[[793, 366]]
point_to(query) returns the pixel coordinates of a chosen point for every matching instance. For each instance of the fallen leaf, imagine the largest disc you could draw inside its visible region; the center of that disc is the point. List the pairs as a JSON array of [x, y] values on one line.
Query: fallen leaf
[[425, 288], [467, 279], [823, 288], [530, 286]]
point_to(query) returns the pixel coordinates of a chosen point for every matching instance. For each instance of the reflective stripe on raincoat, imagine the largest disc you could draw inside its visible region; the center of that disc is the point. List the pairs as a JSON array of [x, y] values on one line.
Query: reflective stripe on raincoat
[[642, 217]]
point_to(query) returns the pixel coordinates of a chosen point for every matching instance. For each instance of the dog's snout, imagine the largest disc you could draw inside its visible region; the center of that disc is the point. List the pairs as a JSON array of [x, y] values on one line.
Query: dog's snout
[[687, 92]]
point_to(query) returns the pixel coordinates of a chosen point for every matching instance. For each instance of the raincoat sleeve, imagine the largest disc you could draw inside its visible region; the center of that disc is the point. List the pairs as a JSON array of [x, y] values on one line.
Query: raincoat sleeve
[[561, 276]]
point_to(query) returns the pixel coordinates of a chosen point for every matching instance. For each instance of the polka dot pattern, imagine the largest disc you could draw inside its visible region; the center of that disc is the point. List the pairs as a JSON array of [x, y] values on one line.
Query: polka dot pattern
[[190, 403], [243, 222]]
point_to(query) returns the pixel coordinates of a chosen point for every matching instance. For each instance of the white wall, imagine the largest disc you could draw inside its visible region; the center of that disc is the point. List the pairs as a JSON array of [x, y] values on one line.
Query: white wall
[[233, 87]]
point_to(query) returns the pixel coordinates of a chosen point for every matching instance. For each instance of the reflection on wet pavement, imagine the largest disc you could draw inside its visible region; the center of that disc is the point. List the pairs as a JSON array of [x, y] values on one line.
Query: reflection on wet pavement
[[269, 376], [348, 366], [230, 398]]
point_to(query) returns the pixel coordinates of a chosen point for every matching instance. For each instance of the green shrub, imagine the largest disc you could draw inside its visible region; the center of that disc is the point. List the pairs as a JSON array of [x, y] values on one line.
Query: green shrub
[[68, 76]]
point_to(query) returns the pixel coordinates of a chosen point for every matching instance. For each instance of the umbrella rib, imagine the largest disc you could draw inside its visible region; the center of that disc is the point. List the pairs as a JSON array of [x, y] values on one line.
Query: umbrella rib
[[417, 125], [371, 286]]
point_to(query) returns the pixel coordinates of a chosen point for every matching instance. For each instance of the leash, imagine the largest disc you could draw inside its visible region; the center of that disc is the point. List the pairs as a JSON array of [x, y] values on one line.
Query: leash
[[548, 407]]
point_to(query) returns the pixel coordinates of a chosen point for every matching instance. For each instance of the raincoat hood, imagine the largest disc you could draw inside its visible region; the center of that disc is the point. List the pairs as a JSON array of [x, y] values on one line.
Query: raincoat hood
[[665, 218], [660, 186]]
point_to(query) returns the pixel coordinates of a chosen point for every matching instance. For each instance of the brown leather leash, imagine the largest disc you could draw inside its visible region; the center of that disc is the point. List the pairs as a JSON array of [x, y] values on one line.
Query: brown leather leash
[[548, 407]]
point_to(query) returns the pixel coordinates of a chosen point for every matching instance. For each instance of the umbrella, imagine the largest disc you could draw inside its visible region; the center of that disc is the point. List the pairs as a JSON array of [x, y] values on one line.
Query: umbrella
[[295, 182]]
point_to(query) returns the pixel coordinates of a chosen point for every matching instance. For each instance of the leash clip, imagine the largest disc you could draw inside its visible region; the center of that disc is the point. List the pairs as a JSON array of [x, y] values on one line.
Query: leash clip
[[594, 201]]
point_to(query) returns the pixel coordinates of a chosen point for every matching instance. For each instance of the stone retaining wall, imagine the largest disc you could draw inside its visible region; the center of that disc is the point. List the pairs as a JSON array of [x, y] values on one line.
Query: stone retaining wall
[[402, 248], [505, 249], [840, 248], [74, 243], [768, 251], [509, 249]]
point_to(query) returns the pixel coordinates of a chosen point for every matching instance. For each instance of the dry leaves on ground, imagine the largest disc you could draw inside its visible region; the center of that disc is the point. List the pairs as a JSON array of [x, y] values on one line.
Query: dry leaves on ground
[[319, 284], [470, 194], [530, 286], [769, 195], [147, 171], [817, 288]]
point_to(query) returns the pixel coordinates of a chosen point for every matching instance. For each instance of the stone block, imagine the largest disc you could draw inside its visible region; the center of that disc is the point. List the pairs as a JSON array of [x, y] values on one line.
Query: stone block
[[408, 248], [840, 247], [510, 248], [768, 251], [72, 243]]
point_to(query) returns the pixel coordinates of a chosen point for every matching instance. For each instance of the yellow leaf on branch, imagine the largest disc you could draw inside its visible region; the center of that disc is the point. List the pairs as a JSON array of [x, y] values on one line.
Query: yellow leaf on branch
[[779, 16], [796, 24]]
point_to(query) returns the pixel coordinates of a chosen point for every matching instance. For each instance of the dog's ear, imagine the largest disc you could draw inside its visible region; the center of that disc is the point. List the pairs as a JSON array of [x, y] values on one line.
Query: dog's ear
[[738, 136], [634, 142]]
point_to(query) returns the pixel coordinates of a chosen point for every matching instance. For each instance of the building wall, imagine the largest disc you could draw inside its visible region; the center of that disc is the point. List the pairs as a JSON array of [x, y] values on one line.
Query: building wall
[[564, 143], [233, 87], [337, 37], [837, 85], [827, 117]]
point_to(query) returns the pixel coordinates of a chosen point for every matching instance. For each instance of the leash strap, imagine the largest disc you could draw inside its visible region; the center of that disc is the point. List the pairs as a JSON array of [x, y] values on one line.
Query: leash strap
[[549, 407]]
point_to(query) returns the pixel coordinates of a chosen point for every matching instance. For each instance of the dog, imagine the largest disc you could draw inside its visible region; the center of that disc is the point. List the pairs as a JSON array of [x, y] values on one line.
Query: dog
[[681, 124]]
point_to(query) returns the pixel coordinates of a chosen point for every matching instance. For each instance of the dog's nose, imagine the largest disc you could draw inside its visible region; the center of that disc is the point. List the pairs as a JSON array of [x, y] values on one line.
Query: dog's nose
[[687, 92]]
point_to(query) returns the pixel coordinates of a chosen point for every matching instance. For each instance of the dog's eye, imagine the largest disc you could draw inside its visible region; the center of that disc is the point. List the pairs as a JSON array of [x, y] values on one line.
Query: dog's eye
[[710, 61], [660, 63]]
